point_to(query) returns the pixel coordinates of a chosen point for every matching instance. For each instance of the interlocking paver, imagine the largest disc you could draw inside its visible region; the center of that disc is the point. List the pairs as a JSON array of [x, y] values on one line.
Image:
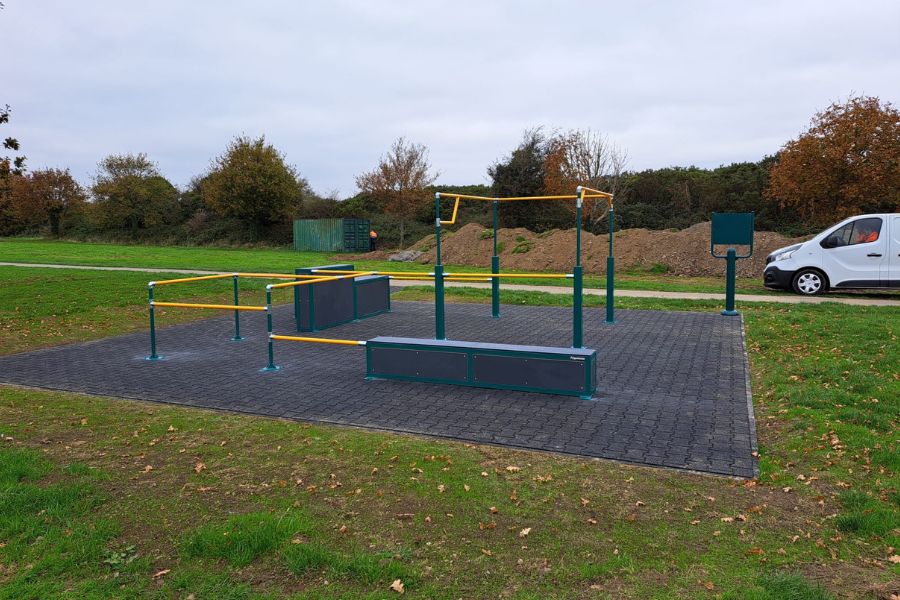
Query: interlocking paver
[[672, 386]]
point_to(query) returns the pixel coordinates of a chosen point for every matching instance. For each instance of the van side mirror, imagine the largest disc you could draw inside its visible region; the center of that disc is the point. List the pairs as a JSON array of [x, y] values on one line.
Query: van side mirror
[[832, 241]]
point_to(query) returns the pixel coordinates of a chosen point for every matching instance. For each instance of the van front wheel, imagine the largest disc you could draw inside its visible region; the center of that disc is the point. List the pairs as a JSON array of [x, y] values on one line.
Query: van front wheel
[[809, 282]]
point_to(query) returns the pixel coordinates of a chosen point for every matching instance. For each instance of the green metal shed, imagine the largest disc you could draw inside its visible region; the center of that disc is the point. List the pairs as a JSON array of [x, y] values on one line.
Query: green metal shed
[[332, 235]]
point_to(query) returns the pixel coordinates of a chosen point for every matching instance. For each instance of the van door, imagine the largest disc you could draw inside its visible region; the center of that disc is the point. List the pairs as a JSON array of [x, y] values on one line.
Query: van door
[[891, 269], [853, 254]]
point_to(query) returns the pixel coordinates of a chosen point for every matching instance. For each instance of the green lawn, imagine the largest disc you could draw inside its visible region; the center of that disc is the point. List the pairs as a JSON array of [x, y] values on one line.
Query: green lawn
[[112, 498], [285, 261]]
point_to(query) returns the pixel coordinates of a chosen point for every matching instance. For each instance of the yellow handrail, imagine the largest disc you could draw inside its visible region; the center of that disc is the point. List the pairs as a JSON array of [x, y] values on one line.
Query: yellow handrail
[[186, 279], [213, 306], [275, 276], [594, 194], [294, 338]]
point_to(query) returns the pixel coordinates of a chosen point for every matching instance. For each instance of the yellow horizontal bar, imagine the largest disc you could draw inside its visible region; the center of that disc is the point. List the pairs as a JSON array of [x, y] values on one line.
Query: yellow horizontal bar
[[597, 194], [294, 338], [213, 306], [454, 278], [355, 273], [275, 276], [520, 275], [186, 279]]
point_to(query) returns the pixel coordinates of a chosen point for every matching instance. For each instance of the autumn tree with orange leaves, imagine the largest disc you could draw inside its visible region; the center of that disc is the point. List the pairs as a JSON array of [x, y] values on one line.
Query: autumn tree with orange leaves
[[399, 181], [847, 163]]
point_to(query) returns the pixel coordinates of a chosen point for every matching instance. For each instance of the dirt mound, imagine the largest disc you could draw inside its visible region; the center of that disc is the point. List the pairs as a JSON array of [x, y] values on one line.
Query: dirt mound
[[684, 252]]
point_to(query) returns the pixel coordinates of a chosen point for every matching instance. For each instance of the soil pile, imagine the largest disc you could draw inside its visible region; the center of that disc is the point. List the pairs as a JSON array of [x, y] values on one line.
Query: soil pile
[[684, 252]]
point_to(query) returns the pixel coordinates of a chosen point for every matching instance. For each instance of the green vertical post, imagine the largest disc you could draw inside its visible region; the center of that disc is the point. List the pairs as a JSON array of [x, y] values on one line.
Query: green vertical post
[[578, 284], [237, 314], [439, 331], [271, 366], [730, 273], [153, 354], [495, 266], [611, 270]]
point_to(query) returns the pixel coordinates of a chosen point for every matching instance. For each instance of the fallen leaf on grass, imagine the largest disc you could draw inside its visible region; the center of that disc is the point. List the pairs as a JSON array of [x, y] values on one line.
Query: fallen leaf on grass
[[513, 469], [486, 552], [84, 421], [525, 532], [148, 468], [592, 521], [709, 585], [585, 501], [397, 586], [727, 519], [895, 559], [484, 526], [484, 473], [161, 573], [695, 522], [466, 487], [405, 516], [514, 496], [755, 551], [441, 488], [199, 467], [493, 510]]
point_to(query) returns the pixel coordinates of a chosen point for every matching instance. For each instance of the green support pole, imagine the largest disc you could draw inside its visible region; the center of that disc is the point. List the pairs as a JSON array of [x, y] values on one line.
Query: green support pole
[[271, 366], [495, 267], [153, 354], [730, 268], [439, 332], [610, 272], [578, 287], [237, 314]]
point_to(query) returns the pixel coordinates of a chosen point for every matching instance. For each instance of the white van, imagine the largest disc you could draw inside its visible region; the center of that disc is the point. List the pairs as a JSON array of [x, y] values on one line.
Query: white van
[[859, 252]]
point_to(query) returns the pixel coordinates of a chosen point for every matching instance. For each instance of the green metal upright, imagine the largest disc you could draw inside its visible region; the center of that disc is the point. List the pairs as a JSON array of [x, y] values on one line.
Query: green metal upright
[[495, 266], [439, 331], [730, 270], [578, 284], [237, 314], [611, 270], [271, 366], [153, 354]]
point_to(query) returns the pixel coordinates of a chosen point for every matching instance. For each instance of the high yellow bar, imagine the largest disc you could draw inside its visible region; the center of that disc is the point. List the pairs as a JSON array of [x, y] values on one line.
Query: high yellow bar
[[356, 273], [519, 275], [275, 276], [186, 279], [213, 306], [596, 194], [319, 279], [294, 338]]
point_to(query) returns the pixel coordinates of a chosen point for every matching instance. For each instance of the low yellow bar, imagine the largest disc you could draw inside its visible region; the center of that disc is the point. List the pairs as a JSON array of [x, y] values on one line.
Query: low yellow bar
[[213, 306], [186, 279], [294, 338]]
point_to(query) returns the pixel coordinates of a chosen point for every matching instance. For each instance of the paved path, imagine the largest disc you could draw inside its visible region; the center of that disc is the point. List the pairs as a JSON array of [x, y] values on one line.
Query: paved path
[[673, 387], [785, 298]]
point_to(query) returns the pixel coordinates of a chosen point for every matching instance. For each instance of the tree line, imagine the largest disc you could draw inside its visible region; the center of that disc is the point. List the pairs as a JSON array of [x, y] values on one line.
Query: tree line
[[847, 162]]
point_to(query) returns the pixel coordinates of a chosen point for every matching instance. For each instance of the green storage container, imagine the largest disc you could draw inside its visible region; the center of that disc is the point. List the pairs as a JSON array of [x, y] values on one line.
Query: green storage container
[[332, 235]]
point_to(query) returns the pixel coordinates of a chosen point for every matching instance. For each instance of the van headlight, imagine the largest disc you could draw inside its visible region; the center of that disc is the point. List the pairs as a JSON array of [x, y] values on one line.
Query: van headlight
[[783, 255]]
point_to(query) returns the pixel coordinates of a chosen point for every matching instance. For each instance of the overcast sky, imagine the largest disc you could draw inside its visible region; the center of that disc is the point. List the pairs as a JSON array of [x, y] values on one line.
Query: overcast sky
[[332, 84]]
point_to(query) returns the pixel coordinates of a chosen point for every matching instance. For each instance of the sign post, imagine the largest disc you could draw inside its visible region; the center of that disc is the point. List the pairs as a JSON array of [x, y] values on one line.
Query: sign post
[[731, 229]]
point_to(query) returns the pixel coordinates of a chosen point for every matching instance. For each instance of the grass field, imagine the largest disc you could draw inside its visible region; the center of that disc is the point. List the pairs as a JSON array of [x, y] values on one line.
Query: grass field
[[285, 261], [111, 498]]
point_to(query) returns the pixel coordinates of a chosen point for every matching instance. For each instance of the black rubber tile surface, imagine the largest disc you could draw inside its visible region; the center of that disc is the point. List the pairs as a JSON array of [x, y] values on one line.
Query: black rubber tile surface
[[673, 387]]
